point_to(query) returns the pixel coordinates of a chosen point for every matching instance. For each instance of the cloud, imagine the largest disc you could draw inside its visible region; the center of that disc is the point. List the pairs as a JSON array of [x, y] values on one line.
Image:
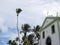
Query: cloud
[[52, 9], [32, 10], [14, 35], [33, 13], [3, 28]]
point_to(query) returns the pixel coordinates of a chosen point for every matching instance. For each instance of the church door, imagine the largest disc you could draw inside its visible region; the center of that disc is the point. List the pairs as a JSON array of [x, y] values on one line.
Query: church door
[[48, 41]]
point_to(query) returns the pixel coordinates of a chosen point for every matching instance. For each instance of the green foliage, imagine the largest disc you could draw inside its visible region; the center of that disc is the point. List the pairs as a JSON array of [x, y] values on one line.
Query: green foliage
[[23, 38], [14, 42], [17, 39], [36, 44], [18, 10], [10, 42], [36, 31], [27, 40], [30, 37], [25, 27]]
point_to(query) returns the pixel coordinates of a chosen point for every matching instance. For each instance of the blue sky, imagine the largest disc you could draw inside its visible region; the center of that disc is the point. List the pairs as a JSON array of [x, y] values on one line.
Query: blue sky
[[34, 13]]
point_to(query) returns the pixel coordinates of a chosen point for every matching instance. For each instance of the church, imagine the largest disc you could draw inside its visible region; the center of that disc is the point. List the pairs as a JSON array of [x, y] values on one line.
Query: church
[[50, 31]]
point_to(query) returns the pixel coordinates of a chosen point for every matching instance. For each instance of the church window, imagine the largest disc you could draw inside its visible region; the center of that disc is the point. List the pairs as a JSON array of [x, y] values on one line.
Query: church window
[[43, 34], [53, 29]]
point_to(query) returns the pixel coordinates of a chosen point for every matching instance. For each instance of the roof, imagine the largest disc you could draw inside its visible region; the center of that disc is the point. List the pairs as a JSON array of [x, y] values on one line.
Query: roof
[[54, 19], [50, 18]]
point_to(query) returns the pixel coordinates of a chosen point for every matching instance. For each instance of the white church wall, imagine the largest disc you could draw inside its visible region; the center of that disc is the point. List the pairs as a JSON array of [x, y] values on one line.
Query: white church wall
[[40, 39], [59, 30], [54, 37]]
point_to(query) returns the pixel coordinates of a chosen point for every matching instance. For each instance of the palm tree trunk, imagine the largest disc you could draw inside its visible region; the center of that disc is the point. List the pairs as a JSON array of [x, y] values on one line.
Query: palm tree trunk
[[25, 34]]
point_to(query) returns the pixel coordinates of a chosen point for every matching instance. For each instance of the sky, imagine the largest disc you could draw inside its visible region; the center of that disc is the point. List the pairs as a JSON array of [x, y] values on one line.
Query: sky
[[33, 13]]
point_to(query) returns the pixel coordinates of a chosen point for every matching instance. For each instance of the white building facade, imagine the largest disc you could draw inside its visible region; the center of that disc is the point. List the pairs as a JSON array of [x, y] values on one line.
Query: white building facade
[[50, 31]]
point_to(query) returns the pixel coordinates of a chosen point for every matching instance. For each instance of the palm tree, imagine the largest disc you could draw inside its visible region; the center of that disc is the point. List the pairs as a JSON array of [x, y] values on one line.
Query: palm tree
[[36, 31], [30, 39], [25, 28]]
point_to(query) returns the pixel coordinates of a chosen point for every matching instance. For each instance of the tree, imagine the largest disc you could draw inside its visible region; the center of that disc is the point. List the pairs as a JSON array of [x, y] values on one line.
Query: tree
[[17, 39], [25, 29], [36, 44], [26, 42], [36, 31], [30, 39], [12, 42]]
